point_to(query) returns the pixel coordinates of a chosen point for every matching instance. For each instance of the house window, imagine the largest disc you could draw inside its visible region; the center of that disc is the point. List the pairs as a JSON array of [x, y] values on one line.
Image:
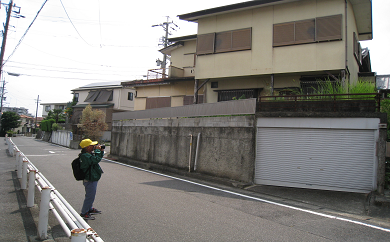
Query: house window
[[233, 40], [76, 97], [214, 84], [228, 95], [308, 31], [130, 96], [158, 102], [205, 44], [316, 84], [61, 107], [47, 108], [357, 49]]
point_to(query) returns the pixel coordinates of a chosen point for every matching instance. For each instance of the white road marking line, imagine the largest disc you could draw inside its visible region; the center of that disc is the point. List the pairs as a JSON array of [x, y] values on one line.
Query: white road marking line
[[259, 199]]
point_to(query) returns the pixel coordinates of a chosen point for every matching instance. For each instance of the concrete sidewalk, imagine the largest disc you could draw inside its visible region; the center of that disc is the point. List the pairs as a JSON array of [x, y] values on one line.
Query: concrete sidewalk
[[17, 221]]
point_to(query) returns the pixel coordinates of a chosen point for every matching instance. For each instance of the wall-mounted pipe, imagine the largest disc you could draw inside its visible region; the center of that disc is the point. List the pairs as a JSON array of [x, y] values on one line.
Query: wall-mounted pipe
[[196, 152], [189, 160]]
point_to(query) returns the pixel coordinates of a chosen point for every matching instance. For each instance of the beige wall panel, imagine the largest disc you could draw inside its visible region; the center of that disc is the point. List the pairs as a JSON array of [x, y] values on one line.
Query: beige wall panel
[[242, 19], [165, 91], [330, 7], [233, 63], [189, 71], [148, 91], [180, 57], [294, 58], [207, 25], [124, 103], [139, 103], [328, 56], [204, 67], [262, 41], [176, 101], [305, 10]]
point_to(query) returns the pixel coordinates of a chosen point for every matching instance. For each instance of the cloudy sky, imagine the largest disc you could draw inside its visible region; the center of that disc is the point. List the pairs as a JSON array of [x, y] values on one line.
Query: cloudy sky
[[73, 43]]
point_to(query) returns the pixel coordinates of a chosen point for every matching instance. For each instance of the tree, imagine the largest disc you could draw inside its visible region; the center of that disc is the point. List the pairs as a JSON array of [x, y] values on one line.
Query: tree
[[93, 123], [56, 114], [9, 120]]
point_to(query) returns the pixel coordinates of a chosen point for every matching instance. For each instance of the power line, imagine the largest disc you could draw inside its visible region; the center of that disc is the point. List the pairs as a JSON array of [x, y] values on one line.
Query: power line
[[24, 35], [76, 78], [74, 25], [58, 67]]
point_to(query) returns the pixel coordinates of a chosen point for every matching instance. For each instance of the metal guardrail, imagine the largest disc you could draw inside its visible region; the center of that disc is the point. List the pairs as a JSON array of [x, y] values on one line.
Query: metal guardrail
[[51, 200]]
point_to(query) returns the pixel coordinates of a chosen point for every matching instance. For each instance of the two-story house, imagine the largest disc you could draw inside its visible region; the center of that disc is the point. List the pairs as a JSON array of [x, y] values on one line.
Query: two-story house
[[110, 97], [264, 47], [47, 107]]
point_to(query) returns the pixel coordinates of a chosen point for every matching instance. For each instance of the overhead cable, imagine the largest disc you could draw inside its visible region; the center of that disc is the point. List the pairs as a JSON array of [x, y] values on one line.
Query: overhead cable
[[25, 33]]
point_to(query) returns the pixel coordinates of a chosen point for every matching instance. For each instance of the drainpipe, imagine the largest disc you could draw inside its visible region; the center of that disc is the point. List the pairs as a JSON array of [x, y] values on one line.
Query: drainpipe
[[189, 160], [196, 152], [346, 41]]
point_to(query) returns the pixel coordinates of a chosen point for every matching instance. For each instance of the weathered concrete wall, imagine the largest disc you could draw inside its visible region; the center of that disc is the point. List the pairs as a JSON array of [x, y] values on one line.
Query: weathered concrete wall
[[226, 145]]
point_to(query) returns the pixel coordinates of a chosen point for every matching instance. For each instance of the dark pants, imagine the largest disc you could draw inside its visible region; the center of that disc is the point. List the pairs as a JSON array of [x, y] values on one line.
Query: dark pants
[[90, 192]]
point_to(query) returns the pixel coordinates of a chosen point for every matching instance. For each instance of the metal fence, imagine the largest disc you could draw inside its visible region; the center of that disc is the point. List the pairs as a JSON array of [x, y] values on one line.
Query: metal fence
[[362, 102], [51, 200], [236, 107]]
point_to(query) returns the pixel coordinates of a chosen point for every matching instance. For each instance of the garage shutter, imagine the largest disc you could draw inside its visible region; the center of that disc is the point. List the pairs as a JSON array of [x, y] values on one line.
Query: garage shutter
[[329, 159]]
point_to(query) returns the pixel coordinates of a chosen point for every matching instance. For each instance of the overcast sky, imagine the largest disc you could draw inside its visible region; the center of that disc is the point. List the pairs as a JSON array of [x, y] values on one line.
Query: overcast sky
[[74, 43]]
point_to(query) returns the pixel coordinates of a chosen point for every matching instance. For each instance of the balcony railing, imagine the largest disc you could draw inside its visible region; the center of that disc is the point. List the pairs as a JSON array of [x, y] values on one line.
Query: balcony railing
[[157, 74], [362, 102]]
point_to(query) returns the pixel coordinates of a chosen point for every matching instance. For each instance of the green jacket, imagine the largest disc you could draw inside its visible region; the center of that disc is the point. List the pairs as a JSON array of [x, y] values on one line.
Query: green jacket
[[90, 165]]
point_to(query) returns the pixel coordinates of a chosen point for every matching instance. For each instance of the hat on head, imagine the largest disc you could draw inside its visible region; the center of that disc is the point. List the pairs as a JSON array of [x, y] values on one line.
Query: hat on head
[[87, 142]]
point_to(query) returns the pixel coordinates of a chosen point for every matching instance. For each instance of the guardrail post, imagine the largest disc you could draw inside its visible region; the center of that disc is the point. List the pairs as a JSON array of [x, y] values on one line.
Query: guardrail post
[[78, 235], [20, 165], [17, 159], [31, 189], [23, 185], [44, 213]]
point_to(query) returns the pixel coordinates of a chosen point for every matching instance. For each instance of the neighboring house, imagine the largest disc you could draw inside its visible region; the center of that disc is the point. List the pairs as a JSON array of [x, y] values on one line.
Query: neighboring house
[[27, 125], [257, 48], [51, 106], [110, 97], [383, 85]]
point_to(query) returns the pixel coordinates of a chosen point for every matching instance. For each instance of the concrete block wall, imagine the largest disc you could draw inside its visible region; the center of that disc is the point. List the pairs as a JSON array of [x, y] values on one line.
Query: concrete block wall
[[226, 146]]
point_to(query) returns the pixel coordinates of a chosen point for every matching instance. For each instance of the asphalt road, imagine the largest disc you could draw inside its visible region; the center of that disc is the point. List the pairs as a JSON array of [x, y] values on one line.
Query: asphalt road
[[143, 206]]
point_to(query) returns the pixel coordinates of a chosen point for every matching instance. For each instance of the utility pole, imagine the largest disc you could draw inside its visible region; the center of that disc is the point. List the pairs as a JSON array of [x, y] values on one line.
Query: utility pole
[[2, 97], [165, 42], [5, 32], [36, 116]]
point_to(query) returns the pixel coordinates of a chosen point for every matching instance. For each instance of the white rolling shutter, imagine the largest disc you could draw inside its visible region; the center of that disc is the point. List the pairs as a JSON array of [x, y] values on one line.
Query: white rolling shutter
[[318, 158]]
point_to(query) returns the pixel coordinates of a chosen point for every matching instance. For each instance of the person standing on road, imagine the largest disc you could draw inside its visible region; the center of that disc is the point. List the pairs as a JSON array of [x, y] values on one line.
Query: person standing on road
[[90, 156]]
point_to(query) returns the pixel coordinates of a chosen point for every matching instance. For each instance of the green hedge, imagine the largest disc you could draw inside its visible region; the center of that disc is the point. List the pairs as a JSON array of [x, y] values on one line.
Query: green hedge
[[47, 124]]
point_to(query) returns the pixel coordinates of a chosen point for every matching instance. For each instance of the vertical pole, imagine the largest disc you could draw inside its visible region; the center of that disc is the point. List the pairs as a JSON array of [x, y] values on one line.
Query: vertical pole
[[17, 160], [20, 165], [272, 84], [196, 153], [189, 162], [36, 116], [23, 185], [44, 213], [196, 91], [78, 235], [2, 96], [5, 36], [164, 63], [31, 189]]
